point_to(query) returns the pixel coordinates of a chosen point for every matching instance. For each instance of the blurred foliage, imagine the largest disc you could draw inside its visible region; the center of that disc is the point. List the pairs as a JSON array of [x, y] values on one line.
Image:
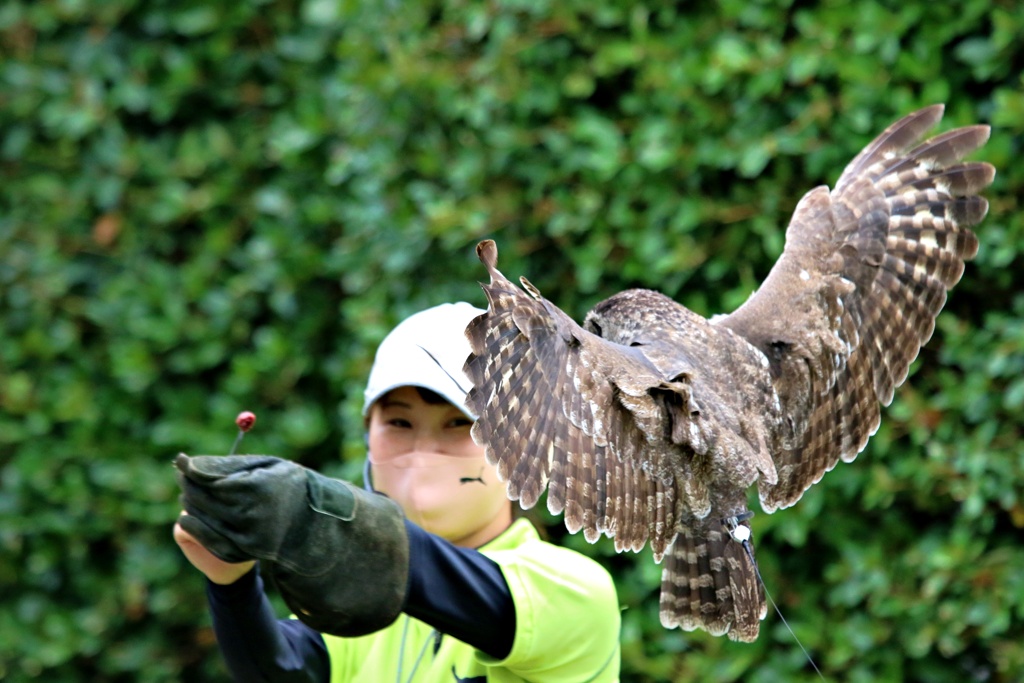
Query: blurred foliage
[[206, 207]]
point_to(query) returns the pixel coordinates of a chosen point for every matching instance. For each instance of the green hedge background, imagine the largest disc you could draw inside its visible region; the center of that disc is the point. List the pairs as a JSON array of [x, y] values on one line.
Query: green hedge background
[[207, 207]]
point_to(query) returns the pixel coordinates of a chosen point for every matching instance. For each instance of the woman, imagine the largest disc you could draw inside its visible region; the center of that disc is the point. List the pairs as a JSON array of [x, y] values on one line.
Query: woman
[[481, 597]]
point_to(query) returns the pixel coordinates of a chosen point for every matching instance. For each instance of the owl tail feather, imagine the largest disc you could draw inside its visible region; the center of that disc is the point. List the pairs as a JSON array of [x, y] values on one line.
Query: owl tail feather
[[709, 582]]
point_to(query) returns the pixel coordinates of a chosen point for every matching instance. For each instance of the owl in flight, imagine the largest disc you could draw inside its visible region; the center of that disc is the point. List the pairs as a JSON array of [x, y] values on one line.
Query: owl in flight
[[650, 423]]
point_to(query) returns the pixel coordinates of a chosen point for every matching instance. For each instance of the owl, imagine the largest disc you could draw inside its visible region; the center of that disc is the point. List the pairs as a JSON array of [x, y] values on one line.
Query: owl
[[649, 423]]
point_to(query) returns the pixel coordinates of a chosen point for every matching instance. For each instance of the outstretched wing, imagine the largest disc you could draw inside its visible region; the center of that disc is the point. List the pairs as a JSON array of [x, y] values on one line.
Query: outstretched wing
[[549, 399], [855, 294]]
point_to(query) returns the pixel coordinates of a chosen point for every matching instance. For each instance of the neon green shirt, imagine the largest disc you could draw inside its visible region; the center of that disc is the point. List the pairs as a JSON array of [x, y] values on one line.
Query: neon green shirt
[[567, 627]]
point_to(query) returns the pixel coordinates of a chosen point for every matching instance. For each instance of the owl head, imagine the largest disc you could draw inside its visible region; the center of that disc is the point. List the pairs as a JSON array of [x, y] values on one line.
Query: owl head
[[635, 317]]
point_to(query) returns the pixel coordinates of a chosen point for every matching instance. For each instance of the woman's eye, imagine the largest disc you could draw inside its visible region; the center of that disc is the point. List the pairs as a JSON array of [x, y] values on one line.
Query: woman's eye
[[399, 422]]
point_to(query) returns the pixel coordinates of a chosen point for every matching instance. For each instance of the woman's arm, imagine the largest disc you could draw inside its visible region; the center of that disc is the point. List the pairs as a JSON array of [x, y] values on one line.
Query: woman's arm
[[256, 645], [460, 592]]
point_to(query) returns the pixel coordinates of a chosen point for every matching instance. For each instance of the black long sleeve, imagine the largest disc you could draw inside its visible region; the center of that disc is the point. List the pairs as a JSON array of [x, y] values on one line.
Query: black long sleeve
[[256, 645], [460, 592]]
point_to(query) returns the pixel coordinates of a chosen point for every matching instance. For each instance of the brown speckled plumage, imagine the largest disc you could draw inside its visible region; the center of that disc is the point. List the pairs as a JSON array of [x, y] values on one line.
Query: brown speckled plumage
[[649, 423]]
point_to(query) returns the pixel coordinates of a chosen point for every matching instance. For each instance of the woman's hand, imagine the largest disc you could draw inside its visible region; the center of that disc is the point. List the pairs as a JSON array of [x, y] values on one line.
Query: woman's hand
[[215, 569]]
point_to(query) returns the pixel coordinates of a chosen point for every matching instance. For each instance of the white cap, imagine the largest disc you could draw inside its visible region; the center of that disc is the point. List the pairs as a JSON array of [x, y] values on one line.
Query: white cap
[[427, 349]]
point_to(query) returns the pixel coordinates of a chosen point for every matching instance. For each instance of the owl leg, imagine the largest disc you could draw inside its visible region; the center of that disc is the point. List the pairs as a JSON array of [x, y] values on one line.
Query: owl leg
[[739, 531]]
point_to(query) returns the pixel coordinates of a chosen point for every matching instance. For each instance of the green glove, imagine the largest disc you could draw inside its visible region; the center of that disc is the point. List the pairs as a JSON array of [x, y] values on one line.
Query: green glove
[[338, 554]]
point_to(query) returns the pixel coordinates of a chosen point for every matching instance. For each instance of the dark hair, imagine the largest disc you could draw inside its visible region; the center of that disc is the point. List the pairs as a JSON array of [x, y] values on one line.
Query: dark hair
[[431, 397]]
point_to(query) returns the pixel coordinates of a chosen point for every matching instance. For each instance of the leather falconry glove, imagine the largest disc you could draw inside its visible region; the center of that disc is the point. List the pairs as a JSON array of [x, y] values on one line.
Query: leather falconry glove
[[338, 554]]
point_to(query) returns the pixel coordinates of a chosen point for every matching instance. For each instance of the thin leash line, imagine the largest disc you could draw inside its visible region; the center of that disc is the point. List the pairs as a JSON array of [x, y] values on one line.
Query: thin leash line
[[741, 534], [753, 562]]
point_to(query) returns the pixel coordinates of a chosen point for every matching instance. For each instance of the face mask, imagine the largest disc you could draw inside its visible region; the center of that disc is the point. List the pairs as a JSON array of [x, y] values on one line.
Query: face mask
[[451, 496]]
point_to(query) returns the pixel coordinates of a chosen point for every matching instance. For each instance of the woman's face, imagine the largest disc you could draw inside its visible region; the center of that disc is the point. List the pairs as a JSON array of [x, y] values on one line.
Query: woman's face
[[423, 458]]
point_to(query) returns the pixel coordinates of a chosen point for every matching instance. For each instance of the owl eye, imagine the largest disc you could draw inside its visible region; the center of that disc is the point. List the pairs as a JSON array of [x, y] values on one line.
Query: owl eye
[[636, 343]]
